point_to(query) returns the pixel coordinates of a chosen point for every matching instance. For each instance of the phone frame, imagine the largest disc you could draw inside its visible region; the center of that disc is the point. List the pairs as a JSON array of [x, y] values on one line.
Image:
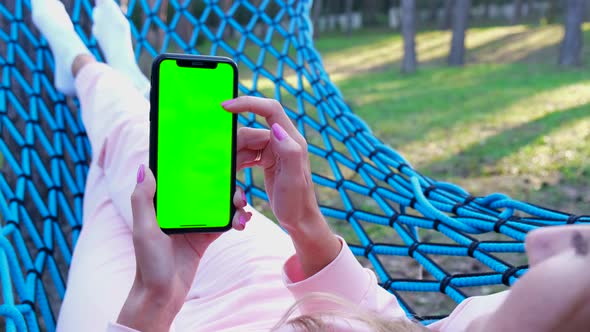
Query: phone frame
[[197, 61]]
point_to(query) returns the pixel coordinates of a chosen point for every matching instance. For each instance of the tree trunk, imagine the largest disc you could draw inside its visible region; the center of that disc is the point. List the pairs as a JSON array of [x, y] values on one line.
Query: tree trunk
[[486, 10], [460, 16], [228, 30], [448, 14], [317, 11], [163, 14], [517, 11], [335, 7], [371, 10], [184, 28], [530, 3], [408, 15], [552, 11], [433, 14], [570, 53], [349, 17]]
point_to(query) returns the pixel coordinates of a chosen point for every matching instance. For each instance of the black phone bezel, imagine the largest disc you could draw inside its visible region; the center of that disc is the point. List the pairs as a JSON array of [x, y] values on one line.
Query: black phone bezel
[[190, 61]]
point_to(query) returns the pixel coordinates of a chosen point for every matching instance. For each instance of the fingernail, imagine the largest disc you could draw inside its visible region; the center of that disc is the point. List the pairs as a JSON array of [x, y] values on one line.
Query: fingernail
[[242, 220], [279, 132], [249, 216], [244, 198], [141, 173], [228, 102]]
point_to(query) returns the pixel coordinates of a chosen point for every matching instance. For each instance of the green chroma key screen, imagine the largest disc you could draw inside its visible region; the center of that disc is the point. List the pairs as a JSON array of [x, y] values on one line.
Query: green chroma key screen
[[194, 148]]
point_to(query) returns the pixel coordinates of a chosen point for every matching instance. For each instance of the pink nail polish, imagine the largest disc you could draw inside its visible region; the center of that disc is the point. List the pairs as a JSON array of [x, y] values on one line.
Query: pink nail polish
[[249, 216], [244, 198], [242, 220], [279, 132], [228, 102], [141, 173]]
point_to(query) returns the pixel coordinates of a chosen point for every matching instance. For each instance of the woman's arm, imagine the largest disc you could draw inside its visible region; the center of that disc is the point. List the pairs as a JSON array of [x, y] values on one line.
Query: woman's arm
[[322, 259], [287, 180], [315, 245], [165, 264], [342, 278], [147, 310]]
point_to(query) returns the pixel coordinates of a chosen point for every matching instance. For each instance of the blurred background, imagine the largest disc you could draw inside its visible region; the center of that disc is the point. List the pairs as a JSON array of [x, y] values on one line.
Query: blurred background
[[490, 94]]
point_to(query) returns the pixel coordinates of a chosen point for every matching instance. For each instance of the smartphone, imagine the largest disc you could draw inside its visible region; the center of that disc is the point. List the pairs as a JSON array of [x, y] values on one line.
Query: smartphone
[[193, 142]]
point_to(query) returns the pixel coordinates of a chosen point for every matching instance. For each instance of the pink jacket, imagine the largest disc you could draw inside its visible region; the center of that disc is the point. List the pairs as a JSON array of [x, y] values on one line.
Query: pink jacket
[[347, 279]]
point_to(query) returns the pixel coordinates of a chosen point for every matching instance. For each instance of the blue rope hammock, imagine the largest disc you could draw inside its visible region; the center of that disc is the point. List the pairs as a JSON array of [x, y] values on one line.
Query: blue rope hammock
[[385, 208]]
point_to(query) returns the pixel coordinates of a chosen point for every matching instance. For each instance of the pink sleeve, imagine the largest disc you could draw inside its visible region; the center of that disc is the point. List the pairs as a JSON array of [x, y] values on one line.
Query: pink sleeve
[[468, 311], [344, 278], [114, 327]]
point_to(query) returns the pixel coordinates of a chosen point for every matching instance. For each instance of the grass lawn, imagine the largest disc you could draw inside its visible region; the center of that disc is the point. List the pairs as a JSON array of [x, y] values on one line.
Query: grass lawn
[[511, 120]]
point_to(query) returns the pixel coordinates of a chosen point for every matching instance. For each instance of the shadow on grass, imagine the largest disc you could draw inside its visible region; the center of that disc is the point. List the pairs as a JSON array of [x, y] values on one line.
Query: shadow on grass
[[437, 99], [506, 142], [530, 45]]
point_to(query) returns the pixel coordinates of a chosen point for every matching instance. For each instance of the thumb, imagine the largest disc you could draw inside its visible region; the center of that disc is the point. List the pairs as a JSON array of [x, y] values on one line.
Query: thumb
[[142, 202], [289, 153]]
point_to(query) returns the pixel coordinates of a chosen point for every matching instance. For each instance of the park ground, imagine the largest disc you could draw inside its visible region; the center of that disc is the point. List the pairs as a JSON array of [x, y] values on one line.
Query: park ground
[[509, 121]]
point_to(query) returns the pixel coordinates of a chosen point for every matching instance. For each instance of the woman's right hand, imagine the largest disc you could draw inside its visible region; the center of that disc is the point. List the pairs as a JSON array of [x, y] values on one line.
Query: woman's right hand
[[287, 179]]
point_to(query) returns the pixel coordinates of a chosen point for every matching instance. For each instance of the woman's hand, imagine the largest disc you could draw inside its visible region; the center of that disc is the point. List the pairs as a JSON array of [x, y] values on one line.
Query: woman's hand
[[166, 264], [287, 179]]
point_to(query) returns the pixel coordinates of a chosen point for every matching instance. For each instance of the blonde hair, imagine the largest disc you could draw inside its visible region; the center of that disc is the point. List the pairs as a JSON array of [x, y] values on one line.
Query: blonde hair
[[317, 322]]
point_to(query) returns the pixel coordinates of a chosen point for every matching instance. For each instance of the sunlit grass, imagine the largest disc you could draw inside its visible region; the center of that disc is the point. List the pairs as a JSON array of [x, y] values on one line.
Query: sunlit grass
[[370, 51], [518, 46], [509, 121], [513, 121], [496, 120]]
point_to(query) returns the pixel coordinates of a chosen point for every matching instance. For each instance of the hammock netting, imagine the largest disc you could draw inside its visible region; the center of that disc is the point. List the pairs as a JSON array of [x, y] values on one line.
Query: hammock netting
[[424, 239]]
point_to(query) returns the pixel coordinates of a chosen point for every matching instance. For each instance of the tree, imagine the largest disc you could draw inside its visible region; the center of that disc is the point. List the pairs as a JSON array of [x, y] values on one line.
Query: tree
[[370, 9], [552, 12], [433, 10], [317, 11], [408, 16], [228, 31], [517, 11], [163, 15], [460, 17], [448, 14], [184, 28], [349, 17], [486, 9], [570, 53]]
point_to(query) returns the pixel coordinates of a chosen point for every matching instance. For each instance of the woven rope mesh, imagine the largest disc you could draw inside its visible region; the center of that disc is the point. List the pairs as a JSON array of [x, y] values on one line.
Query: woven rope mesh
[[429, 242]]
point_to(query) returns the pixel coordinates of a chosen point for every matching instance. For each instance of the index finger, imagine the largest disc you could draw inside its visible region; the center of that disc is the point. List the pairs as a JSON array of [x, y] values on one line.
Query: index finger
[[270, 109]]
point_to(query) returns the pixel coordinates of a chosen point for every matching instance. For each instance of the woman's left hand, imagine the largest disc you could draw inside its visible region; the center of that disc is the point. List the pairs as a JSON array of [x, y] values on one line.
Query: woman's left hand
[[284, 159], [282, 153], [165, 264]]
